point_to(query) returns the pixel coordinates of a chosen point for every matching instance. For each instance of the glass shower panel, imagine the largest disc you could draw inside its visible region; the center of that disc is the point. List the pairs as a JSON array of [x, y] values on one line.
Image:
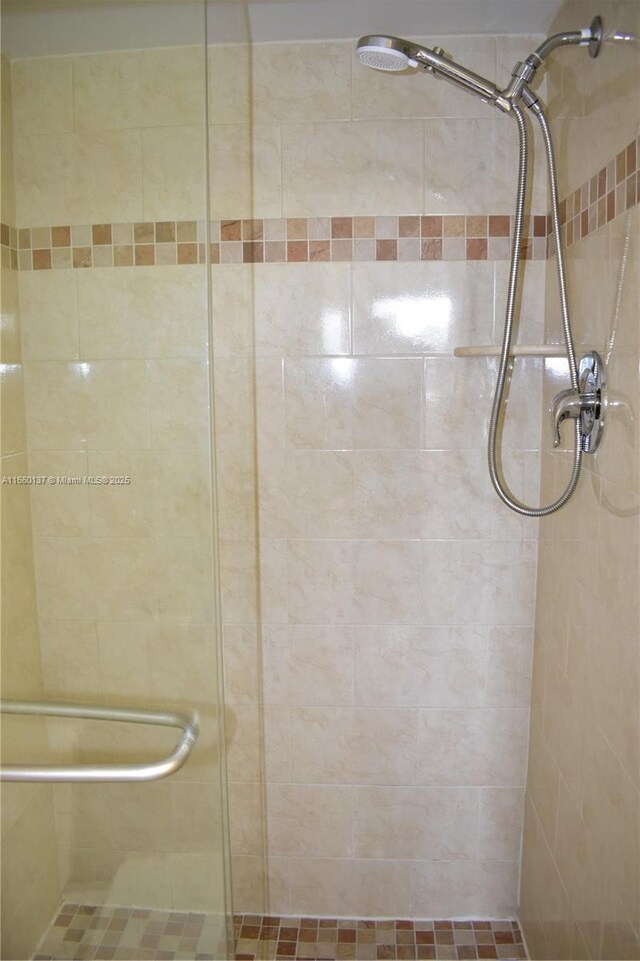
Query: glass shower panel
[[114, 583]]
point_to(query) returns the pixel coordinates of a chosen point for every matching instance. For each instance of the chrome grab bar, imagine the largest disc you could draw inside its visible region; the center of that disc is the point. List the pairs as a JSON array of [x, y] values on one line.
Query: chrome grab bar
[[153, 771]]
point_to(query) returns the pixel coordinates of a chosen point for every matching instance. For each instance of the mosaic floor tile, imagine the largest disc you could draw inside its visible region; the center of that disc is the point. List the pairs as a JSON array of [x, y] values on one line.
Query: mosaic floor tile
[[339, 939], [98, 933]]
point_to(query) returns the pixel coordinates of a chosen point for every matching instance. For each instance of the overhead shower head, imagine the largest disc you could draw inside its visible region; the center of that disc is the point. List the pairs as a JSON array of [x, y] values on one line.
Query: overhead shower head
[[386, 53]]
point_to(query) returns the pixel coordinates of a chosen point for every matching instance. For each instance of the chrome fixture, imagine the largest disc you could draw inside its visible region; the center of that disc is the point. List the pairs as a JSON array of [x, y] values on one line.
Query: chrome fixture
[[587, 404], [585, 401], [146, 771]]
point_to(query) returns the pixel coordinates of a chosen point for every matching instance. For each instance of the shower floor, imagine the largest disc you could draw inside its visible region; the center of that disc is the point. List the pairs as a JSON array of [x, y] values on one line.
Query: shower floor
[[260, 937], [87, 931], [131, 934]]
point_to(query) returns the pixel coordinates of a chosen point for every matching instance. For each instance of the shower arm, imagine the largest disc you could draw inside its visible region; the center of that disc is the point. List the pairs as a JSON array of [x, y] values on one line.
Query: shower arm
[[437, 62]]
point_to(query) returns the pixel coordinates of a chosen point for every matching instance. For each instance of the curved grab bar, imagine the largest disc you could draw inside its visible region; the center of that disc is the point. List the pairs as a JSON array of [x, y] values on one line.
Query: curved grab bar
[[187, 723]]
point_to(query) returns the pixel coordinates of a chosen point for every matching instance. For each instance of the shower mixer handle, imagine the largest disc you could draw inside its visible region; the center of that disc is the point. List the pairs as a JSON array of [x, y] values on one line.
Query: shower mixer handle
[[585, 403]]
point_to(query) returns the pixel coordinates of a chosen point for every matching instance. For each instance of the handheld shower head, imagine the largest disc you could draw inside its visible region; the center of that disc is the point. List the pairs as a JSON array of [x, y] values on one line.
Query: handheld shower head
[[385, 53], [395, 54]]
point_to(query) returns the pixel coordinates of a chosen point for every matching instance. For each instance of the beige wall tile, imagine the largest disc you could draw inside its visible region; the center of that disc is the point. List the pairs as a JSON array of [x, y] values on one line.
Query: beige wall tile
[[500, 823], [481, 747], [49, 315], [476, 582], [302, 309], [353, 746], [89, 578], [238, 581], [142, 88], [373, 887], [232, 310], [70, 660], [60, 509], [250, 884], [310, 820], [420, 666], [353, 582], [7, 191], [509, 666], [178, 404], [243, 730], [416, 823], [127, 312], [171, 664], [28, 848], [308, 666], [329, 402], [101, 404], [168, 494], [331, 168], [79, 178], [246, 822], [230, 73], [13, 420], [42, 94], [18, 592], [39, 903], [9, 309], [301, 81], [234, 406], [310, 494], [421, 307], [244, 170], [242, 664], [173, 173], [480, 888]]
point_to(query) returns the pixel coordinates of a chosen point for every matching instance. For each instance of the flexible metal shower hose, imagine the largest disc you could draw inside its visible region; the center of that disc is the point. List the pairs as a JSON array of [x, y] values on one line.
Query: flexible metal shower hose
[[499, 485]]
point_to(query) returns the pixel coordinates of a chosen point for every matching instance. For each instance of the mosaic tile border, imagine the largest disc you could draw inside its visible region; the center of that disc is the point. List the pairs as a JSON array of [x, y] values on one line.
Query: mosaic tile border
[[609, 193], [103, 933], [292, 240], [259, 937]]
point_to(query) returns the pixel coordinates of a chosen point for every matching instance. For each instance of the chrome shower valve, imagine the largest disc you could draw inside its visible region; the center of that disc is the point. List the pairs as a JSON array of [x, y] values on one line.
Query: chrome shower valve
[[586, 403]]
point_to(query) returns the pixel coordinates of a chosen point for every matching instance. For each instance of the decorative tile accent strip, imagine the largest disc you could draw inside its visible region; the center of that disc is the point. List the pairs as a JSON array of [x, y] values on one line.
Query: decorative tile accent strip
[[610, 192], [293, 240], [96, 932], [8, 247], [348, 940], [607, 194]]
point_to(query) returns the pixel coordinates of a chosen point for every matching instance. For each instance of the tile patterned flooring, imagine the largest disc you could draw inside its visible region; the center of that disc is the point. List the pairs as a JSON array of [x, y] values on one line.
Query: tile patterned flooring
[[89, 932], [98, 933], [347, 940]]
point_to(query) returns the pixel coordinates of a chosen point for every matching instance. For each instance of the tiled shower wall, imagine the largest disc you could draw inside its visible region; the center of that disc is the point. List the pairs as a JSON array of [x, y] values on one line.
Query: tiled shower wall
[[378, 657], [30, 886], [391, 659], [581, 855]]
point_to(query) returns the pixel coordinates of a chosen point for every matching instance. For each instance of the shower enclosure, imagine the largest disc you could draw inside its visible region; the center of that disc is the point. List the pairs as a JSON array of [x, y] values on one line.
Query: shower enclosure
[[288, 654]]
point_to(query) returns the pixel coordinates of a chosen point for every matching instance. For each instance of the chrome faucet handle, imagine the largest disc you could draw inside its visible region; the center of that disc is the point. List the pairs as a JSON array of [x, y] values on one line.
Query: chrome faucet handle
[[586, 403], [567, 404]]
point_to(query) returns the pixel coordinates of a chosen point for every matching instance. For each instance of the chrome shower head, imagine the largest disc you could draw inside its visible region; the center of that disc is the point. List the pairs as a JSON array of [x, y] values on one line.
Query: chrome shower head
[[396, 54], [386, 53]]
